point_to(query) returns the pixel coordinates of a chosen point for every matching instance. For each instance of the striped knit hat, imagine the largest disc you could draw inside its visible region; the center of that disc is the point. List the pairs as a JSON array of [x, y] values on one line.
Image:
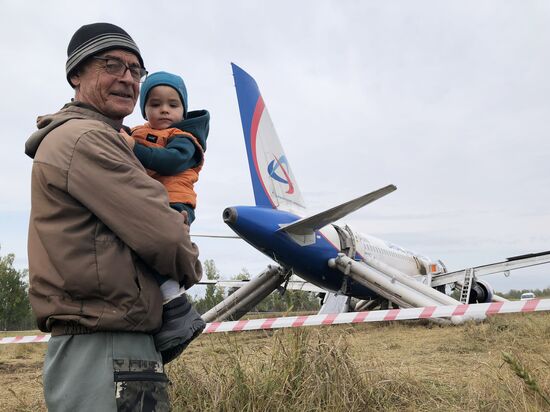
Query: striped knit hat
[[92, 39]]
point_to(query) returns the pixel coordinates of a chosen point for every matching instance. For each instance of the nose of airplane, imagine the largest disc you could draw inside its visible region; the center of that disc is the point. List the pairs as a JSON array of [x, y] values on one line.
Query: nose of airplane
[[230, 215]]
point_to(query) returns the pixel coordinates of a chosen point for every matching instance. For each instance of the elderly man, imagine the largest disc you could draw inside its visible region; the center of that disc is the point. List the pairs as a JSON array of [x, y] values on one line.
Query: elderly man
[[99, 228]]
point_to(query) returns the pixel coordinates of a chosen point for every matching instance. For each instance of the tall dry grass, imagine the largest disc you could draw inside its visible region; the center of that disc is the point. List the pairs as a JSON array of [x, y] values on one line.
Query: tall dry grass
[[387, 367], [293, 371]]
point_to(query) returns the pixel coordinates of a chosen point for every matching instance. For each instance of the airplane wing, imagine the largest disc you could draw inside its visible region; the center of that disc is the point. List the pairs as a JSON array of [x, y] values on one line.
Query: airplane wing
[[511, 263], [295, 284]]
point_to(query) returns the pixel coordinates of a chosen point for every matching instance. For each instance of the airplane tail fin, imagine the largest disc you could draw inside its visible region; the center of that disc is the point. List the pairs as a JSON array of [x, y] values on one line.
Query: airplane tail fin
[[272, 179]]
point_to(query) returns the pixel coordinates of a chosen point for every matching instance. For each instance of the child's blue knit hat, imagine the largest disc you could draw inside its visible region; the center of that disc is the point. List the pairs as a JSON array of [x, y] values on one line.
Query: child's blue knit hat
[[164, 79]]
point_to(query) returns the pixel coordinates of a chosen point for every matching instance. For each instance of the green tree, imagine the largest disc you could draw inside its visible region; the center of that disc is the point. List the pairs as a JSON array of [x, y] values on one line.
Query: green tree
[[15, 310], [244, 274], [289, 301], [214, 294]]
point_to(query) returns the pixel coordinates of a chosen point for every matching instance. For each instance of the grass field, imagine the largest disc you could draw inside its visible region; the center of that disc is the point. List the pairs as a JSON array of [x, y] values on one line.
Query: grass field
[[502, 364]]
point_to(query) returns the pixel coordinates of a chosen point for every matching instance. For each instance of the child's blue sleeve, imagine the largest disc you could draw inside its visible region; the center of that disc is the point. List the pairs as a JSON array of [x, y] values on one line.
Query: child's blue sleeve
[[179, 154]]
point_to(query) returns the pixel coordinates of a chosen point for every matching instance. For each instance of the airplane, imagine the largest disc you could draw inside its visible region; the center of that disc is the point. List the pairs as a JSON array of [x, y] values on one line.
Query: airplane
[[355, 271]]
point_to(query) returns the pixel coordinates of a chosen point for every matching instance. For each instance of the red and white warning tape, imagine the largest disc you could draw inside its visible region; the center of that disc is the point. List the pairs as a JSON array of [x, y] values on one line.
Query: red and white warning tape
[[25, 339], [430, 312]]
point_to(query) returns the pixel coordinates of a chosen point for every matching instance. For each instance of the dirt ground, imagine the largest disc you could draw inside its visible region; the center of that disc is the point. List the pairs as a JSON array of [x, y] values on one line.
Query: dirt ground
[[21, 375]]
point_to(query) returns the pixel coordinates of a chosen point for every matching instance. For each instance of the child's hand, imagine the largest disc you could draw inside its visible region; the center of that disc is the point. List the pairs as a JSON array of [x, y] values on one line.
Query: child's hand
[[129, 139]]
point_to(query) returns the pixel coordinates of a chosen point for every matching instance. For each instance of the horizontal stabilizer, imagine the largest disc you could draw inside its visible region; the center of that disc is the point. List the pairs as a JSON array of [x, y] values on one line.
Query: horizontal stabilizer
[[309, 224], [215, 236]]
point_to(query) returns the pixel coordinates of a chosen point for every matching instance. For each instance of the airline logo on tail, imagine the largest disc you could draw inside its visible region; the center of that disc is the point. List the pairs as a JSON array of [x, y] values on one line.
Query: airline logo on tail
[[282, 164]]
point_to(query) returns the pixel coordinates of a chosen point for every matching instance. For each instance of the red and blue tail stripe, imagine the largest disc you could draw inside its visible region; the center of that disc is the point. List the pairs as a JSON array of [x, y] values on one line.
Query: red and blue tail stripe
[[251, 106]]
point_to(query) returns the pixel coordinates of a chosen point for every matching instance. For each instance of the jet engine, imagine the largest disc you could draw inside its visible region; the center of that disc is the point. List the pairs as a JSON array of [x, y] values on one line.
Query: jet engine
[[481, 292]]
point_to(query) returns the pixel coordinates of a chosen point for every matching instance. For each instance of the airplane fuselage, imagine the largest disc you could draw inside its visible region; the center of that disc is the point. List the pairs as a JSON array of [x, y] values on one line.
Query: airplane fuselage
[[259, 226]]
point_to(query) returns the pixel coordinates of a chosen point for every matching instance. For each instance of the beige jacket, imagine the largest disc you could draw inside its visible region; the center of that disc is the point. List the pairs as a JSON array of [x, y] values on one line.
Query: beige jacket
[[99, 228]]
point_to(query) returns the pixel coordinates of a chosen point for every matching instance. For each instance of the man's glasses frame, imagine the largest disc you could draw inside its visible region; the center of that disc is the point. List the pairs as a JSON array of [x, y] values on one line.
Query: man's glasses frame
[[117, 67]]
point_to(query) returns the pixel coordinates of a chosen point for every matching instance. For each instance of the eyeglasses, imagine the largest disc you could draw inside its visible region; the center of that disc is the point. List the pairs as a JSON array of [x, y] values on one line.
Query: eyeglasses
[[117, 67]]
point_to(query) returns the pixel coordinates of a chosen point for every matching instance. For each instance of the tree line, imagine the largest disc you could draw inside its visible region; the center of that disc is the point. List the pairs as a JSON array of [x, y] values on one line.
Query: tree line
[[515, 294]]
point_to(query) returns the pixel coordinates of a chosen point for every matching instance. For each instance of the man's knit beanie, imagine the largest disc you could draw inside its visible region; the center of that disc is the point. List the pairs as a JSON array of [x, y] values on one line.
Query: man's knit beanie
[[162, 79], [91, 39]]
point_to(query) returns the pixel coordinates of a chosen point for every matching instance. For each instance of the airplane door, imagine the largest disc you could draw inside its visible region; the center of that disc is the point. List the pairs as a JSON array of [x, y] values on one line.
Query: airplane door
[[347, 240]]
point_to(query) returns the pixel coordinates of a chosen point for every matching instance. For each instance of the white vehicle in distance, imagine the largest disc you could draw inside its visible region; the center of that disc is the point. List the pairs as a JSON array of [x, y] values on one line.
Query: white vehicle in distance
[[527, 296]]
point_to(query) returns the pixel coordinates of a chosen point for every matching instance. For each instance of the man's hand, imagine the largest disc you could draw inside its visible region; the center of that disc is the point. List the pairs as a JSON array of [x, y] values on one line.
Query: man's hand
[[129, 139], [185, 216]]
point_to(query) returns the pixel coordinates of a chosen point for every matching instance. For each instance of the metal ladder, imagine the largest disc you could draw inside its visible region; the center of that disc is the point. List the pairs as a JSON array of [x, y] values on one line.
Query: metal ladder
[[466, 285]]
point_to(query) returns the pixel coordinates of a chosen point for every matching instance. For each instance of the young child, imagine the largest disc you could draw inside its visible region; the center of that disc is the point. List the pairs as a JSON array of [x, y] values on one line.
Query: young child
[[171, 147]]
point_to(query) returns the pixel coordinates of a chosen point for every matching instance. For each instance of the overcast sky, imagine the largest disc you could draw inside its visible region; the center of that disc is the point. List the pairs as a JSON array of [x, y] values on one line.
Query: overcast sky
[[449, 101]]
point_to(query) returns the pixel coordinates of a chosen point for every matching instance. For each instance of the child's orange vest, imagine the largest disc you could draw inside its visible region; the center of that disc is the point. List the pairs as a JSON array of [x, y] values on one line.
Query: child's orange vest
[[180, 187]]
